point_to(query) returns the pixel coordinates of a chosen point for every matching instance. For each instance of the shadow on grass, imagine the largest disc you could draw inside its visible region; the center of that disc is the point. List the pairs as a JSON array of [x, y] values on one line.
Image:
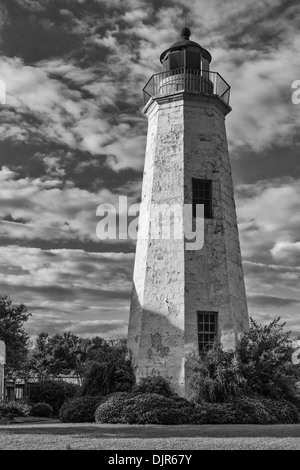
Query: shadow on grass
[[155, 431]]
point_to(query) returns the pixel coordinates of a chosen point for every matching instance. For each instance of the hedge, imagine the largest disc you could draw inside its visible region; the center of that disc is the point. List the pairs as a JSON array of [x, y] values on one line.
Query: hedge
[[153, 384], [52, 392], [151, 408], [80, 410], [148, 408], [42, 409], [14, 408]]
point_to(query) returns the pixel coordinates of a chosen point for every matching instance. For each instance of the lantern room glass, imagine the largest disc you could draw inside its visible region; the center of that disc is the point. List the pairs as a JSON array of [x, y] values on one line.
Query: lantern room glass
[[189, 58]]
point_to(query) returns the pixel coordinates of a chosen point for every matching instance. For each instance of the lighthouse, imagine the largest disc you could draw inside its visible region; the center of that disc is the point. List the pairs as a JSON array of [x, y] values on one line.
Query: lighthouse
[[185, 296]]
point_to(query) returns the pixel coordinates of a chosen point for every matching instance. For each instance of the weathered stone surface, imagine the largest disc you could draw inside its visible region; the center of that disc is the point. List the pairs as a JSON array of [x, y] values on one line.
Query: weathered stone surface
[[186, 139]]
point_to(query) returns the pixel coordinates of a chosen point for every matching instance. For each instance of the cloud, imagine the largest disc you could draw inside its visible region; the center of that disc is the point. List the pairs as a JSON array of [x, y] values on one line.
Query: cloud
[[74, 75], [263, 114], [33, 5], [53, 166], [41, 108], [69, 97], [53, 210], [269, 218], [69, 289], [260, 300], [287, 252]]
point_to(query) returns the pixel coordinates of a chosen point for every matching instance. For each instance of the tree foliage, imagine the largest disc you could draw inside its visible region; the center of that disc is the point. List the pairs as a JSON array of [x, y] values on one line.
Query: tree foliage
[[261, 366], [99, 379], [265, 357], [52, 392], [12, 332], [217, 376], [59, 354], [100, 365]]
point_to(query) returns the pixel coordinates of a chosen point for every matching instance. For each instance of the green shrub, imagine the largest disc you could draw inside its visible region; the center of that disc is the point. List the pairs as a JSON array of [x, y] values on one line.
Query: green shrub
[[42, 409], [258, 410], [217, 377], [281, 411], [153, 384], [241, 411], [79, 410], [110, 411], [144, 408], [104, 378], [264, 354], [251, 411], [183, 403], [15, 408], [52, 392], [152, 408], [213, 413]]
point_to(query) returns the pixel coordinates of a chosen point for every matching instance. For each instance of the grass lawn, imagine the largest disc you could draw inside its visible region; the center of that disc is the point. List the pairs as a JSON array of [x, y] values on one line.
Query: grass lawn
[[52, 436]]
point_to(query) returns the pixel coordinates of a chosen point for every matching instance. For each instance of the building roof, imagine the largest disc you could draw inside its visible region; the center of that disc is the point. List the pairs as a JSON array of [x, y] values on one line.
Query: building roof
[[184, 43]]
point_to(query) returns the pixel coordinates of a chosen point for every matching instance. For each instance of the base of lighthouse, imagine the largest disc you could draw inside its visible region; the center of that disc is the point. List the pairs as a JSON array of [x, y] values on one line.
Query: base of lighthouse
[[182, 297]]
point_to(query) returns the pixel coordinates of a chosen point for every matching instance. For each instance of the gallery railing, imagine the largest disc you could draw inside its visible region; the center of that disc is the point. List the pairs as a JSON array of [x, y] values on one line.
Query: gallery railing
[[189, 80]]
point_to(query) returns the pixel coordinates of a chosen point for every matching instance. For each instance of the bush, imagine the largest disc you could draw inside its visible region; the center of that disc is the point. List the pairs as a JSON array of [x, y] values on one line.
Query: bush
[[104, 378], [146, 408], [42, 409], [251, 411], [151, 408], [98, 380], [15, 408], [80, 410], [242, 411], [281, 411], [261, 366], [52, 392], [265, 361], [124, 377], [213, 413], [110, 411], [217, 377], [258, 410], [153, 384]]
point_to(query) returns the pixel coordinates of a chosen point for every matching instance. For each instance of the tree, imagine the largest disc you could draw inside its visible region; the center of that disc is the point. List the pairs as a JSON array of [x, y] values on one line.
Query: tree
[[111, 356], [59, 354], [67, 353], [217, 376], [40, 358], [12, 332], [265, 357], [99, 379], [261, 366]]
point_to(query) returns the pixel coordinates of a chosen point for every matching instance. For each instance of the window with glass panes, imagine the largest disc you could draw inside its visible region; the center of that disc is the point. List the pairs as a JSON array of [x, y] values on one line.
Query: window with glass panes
[[202, 194], [207, 330]]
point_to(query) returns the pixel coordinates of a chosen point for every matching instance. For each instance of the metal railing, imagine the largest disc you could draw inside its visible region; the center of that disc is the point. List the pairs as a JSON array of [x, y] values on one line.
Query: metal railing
[[194, 81]]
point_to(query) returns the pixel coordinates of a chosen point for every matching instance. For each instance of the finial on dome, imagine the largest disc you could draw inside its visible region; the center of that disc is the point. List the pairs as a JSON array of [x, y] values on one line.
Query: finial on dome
[[185, 33]]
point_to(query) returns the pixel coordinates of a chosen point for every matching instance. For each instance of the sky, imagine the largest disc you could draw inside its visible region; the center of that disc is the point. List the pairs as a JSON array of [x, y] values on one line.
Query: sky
[[72, 137]]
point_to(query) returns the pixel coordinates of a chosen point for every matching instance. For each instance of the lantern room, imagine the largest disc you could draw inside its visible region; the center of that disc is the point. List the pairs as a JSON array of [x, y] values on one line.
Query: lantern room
[[185, 54]]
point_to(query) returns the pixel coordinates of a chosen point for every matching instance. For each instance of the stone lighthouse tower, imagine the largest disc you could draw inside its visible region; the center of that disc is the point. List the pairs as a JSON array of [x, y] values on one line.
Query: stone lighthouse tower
[[184, 298]]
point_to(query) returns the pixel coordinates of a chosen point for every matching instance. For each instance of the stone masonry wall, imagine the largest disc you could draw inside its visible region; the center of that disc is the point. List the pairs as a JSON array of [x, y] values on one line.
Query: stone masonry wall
[[186, 139]]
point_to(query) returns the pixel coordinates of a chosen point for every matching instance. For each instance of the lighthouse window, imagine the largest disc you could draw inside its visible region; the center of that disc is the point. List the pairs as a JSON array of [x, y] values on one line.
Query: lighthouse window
[[207, 330], [202, 194], [176, 60]]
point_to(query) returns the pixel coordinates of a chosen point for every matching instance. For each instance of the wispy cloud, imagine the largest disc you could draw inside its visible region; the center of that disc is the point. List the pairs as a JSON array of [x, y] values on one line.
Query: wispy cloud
[[50, 209], [69, 289], [73, 129]]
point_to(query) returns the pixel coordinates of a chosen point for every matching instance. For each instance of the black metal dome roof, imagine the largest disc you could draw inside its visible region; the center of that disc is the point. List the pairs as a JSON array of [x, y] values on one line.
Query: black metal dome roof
[[184, 43]]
